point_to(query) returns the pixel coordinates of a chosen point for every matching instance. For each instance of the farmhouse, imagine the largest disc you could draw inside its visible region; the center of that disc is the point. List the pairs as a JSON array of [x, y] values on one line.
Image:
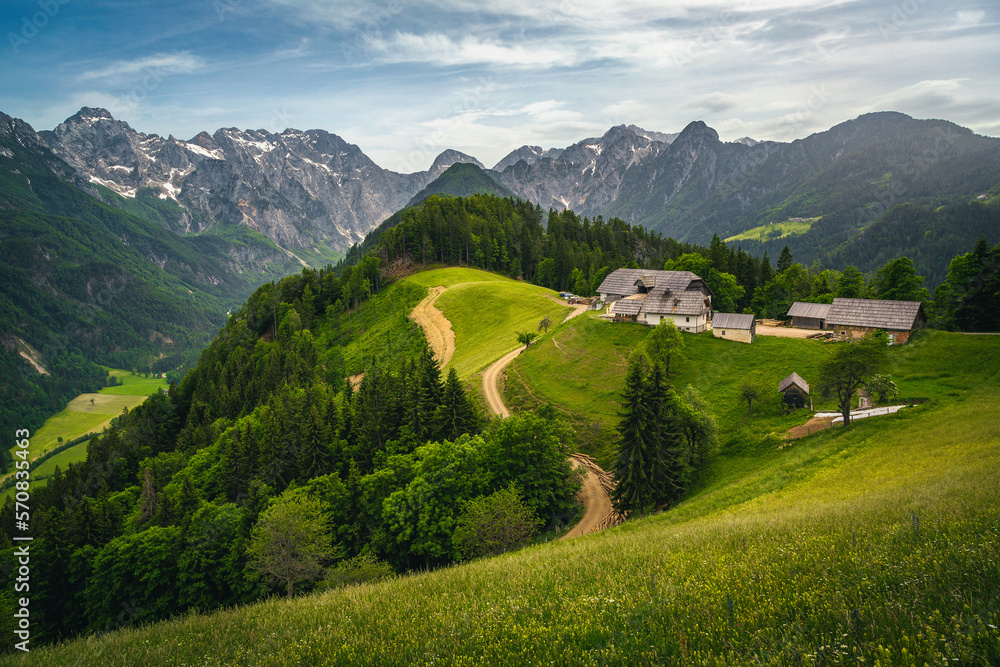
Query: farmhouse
[[855, 318], [809, 315], [734, 326], [678, 295], [794, 391]]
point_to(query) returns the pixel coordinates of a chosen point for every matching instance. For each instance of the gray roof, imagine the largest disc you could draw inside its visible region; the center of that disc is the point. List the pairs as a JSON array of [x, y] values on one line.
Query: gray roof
[[874, 313], [814, 310], [622, 281], [626, 307], [732, 321], [795, 379], [676, 303]]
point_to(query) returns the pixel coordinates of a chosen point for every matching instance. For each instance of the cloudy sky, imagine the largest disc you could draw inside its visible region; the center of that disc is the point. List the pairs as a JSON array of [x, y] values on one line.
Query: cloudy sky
[[407, 79]]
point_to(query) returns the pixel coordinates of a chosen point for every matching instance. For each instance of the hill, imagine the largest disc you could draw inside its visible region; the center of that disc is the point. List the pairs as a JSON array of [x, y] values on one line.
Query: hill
[[462, 179], [871, 544]]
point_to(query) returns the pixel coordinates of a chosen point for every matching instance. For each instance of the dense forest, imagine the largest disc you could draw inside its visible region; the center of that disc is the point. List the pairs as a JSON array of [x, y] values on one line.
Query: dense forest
[[160, 516]]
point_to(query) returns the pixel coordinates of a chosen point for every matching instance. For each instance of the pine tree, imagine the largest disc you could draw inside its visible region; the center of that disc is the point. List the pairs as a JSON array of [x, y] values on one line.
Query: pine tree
[[784, 259], [456, 415], [633, 468]]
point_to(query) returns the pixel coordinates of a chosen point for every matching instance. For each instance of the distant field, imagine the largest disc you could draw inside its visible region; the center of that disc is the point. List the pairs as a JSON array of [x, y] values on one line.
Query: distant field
[[87, 413], [876, 544], [486, 314], [779, 230]]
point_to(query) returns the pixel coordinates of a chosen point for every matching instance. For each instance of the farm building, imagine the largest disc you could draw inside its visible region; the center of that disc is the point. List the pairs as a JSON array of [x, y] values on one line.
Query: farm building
[[626, 282], [678, 295], [626, 310], [734, 326], [854, 318], [795, 390], [809, 315]]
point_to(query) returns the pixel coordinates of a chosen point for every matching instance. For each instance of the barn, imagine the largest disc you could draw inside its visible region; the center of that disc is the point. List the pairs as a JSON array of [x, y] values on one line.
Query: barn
[[809, 315], [734, 326], [626, 310], [855, 318], [678, 295], [795, 391]]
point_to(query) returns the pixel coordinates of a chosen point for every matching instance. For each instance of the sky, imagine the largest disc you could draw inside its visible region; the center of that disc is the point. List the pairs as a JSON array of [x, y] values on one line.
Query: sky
[[406, 80]]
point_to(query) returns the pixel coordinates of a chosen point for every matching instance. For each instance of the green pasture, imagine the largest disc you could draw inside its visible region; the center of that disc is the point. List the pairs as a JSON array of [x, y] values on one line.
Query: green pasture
[[486, 311], [873, 545], [775, 230]]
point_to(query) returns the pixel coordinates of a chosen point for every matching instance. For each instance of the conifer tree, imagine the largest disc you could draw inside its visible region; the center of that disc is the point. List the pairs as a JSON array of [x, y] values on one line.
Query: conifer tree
[[633, 467], [456, 415]]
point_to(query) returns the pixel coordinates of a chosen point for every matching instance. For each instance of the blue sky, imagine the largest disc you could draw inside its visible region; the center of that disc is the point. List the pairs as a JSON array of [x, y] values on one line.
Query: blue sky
[[406, 80]]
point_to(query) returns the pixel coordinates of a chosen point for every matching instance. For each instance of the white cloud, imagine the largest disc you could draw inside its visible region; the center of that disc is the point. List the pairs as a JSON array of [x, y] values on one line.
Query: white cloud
[[161, 63], [441, 49], [969, 18]]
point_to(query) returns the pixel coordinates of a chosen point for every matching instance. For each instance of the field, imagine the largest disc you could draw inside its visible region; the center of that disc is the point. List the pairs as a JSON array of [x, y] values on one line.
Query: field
[[775, 230], [87, 413], [486, 310], [581, 372], [874, 545]]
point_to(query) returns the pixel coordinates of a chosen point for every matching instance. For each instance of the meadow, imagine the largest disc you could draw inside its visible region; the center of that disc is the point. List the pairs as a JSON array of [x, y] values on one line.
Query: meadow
[[875, 545], [486, 311], [87, 413], [775, 230]]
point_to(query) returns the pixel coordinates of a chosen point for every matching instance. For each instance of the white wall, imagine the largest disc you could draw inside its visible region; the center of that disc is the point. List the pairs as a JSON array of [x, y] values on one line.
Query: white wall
[[690, 323]]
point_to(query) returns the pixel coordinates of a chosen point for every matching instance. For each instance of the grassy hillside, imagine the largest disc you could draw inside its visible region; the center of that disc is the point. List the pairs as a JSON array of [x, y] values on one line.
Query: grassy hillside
[[775, 230], [486, 310], [876, 544], [581, 372], [462, 179]]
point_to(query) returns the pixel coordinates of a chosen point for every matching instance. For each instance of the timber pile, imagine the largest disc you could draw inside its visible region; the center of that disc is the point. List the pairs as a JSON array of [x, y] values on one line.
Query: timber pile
[[607, 482]]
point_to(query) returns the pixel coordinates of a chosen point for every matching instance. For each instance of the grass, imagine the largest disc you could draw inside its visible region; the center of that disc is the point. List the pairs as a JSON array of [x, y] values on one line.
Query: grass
[[87, 413], [453, 276], [485, 311], [775, 230], [876, 544], [583, 376]]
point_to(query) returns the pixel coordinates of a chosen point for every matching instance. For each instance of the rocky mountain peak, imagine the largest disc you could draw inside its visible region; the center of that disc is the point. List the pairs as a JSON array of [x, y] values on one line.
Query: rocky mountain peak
[[450, 157]]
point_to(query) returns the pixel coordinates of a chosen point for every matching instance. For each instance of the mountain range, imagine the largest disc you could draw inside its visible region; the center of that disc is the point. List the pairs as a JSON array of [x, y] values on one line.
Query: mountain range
[[314, 194]]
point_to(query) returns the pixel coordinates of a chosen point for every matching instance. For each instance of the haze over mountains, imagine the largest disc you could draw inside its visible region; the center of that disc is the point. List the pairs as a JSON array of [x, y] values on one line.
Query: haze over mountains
[[314, 190]]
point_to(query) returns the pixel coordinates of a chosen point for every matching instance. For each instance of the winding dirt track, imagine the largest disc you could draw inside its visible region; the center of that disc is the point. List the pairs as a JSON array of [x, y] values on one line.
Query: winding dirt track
[[578, 308], [596, 504], [436, 326], [441, 337], [491, 384]]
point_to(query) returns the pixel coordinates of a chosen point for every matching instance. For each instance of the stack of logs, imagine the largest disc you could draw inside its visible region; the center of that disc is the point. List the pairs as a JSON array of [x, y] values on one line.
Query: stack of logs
[[607, 481]]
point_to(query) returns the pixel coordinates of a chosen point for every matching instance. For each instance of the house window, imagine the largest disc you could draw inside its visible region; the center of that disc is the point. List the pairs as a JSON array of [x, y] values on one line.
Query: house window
[[723, 332], [687, 319]]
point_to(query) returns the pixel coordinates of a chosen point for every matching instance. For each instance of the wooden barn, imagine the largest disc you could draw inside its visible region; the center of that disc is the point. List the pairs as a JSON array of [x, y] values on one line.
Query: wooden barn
[[855, 318], [809, 315], [795, 391], [626, 310], [734, 326]]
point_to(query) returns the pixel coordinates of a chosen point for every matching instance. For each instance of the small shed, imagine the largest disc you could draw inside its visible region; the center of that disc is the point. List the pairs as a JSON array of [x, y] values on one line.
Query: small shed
[[734, 326], [626, 310], [794, 391], [809, 315]]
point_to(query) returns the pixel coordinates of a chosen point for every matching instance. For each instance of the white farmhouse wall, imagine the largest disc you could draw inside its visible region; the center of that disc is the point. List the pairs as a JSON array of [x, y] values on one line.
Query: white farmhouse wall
[[690, 323]]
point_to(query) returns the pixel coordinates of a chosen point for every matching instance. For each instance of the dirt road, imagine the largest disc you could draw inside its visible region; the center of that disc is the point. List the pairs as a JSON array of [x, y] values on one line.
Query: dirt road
[[784, 332], [491, 384], [596, 504], [578, 308], [436, 326]]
